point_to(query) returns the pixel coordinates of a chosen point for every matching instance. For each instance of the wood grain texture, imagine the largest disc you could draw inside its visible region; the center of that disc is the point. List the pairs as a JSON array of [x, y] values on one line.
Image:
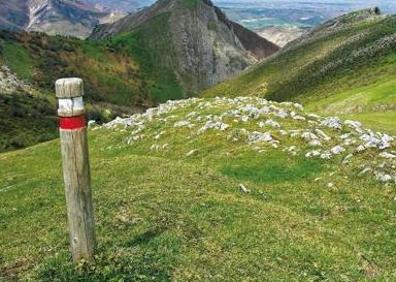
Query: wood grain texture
[[76, 172], [69, 87]]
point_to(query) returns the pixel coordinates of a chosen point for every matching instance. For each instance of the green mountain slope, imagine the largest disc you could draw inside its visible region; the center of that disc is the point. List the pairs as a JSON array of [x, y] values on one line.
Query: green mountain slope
[[114, 84], [196, 190], [346, 66], [190, 43]]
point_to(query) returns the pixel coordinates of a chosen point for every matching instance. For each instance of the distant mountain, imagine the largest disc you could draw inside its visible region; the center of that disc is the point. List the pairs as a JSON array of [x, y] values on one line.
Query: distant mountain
[[120, 5], [187, 43], [65, 17], [281, 35]]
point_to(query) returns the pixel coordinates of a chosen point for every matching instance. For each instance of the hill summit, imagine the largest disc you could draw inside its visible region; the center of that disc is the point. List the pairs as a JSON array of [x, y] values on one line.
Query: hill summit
[[192, 39]]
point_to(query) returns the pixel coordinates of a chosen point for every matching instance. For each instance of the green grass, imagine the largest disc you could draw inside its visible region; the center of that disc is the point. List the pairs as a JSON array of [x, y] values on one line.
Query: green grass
[[18, 59], [275, 168], [25, 120], [163, 216], [190, 3], [382, 121]]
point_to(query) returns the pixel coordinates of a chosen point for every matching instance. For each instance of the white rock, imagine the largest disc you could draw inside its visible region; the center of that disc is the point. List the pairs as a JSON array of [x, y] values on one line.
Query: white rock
[[312, 154], [383, 177], [182, 123], [91, 123], [243, 188], [282, 114], [387, 155], [347, 159], [272, 123], [256, 136], [298, 106], [322, 135], [315, 143], [298, 117], [218, 125], [337, 150], [360, 148], [325, 156], [365, 171], [313, 116], [192, 152], [353, 124], [332, 122]]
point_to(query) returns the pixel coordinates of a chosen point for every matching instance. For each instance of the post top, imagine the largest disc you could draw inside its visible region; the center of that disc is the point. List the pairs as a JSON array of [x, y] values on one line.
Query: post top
[[69, 87]]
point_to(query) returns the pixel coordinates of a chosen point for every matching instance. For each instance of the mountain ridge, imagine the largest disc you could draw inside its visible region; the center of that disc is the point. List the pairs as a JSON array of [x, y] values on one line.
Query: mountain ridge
[[203, 44]]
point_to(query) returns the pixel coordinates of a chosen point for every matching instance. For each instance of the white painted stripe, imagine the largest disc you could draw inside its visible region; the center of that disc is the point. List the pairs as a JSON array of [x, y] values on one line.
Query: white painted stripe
[[72, 105]]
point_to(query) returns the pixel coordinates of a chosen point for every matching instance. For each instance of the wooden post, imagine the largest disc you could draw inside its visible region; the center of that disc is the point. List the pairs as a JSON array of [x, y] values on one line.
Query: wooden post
[[76, 170]]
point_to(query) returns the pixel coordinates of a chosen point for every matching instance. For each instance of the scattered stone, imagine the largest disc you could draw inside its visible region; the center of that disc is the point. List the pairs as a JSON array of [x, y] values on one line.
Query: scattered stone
[[256, 136], [218, 125], [91, 123], [387, 155], [383, 177], [315, 143], [243, 188], [182, 123], [365, 171], [337, 150], [325, 155], [347, 159], [332, 122], [243, 113], [271, 123], [313, 154], [192, 152], [322, 135], [360, 149]]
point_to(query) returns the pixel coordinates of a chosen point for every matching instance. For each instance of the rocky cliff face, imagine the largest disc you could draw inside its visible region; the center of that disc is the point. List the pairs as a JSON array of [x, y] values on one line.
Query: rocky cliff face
[[13, 14], [65, 17], [203, 46]]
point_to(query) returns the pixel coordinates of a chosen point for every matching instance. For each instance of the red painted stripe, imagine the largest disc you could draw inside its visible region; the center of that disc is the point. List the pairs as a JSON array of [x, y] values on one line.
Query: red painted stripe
[[72, 122]]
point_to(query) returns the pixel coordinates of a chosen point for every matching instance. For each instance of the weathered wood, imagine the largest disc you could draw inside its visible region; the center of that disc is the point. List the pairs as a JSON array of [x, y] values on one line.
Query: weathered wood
[[76, 171], [71, 107], [69, 88]]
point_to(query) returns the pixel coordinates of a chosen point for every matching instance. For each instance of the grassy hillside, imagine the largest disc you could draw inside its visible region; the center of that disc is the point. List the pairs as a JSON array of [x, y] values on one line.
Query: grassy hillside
[[119, 77], [155, 55], [188, 192], [347, 66]]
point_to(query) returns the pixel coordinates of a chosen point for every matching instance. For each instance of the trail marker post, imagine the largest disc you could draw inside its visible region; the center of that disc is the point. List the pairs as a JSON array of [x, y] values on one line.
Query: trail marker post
[[76, 169]]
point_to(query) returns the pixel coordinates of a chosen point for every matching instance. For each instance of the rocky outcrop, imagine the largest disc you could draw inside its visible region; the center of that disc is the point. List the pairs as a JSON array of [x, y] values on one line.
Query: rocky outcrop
[[204, 47], [9, 83], [265, 126]]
